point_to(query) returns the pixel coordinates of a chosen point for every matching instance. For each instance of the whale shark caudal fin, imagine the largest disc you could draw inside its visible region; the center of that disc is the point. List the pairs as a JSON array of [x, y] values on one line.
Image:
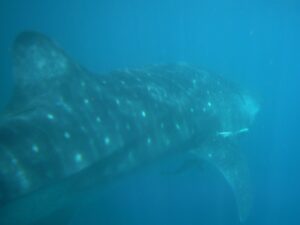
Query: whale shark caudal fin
[[230, 162]]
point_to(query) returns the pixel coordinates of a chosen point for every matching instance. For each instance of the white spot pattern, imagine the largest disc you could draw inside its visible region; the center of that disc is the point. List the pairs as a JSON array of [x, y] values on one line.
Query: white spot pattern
[[143, 114], [50, 116], [149, 140], [78, 157], [107, 140], [67, 135], [35, 148]]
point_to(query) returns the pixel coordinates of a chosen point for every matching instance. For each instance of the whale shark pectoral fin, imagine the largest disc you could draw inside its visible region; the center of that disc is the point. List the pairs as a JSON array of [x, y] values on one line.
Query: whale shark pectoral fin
[[227, 158]]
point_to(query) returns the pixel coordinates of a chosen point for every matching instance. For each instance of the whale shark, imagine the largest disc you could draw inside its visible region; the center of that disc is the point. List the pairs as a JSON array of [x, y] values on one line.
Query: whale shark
[[66, 130]]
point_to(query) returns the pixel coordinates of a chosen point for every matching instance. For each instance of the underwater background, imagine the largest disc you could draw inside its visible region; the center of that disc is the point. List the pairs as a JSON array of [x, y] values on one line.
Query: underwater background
[[254, 43]]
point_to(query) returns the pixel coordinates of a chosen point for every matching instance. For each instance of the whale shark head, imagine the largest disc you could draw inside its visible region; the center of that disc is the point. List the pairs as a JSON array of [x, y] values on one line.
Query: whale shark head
[[245, 111]]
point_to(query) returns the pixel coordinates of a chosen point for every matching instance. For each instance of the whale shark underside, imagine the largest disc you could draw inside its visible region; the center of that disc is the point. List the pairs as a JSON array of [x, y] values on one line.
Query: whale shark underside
[[66, 130]]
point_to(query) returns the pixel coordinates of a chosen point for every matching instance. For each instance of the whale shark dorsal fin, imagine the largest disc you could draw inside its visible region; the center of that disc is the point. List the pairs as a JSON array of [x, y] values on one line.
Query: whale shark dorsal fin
[[229, 160], [39, 67], [37, 59]]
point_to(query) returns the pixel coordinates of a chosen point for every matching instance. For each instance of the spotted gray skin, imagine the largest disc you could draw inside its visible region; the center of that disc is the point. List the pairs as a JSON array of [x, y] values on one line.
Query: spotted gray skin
[[66, 129]]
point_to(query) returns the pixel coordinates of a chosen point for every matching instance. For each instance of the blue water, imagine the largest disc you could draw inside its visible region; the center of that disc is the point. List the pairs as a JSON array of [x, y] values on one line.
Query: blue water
[[255, 43]]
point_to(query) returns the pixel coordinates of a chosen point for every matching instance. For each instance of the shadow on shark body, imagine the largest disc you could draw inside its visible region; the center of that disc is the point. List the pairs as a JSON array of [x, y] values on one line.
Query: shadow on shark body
[[65, 130]]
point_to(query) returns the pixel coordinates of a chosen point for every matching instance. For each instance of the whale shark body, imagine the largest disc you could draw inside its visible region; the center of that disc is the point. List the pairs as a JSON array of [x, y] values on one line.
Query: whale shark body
[[66, 130]]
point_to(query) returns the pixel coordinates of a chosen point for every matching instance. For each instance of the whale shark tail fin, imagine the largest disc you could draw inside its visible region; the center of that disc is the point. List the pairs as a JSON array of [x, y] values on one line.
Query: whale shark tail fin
[[228, 159]]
